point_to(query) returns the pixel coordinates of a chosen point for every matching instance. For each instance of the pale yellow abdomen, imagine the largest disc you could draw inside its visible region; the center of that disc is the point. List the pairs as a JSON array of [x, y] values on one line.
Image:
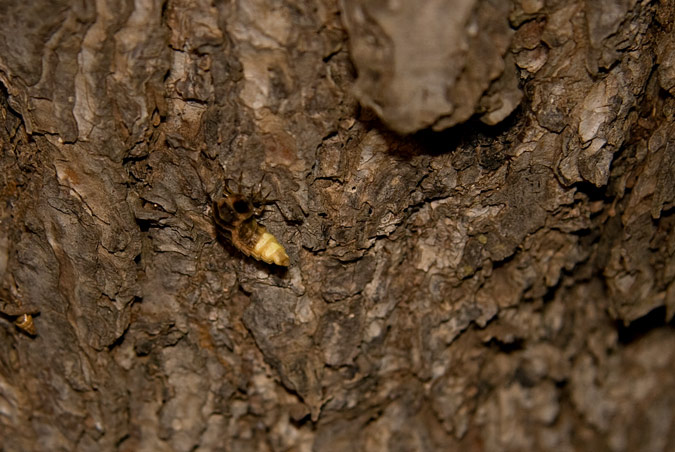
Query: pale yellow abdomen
[[269, 250]]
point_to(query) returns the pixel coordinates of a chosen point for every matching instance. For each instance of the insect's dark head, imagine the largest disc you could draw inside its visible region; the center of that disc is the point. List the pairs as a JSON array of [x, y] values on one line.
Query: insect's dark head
[[231, 210], [241, 206]]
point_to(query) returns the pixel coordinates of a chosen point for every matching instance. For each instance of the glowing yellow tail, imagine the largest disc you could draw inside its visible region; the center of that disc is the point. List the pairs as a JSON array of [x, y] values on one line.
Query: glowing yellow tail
[[269, 250]]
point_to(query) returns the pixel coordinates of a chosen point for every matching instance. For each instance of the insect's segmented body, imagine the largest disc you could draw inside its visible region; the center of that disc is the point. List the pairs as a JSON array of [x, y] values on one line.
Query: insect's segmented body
[[25, 323], [236, 215]]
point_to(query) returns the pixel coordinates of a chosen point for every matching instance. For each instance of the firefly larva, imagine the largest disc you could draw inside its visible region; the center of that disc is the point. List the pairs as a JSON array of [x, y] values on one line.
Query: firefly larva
[[236, 215]]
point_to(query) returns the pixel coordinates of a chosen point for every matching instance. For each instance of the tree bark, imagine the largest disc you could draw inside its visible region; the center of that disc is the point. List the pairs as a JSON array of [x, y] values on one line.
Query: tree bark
[[477, 198]]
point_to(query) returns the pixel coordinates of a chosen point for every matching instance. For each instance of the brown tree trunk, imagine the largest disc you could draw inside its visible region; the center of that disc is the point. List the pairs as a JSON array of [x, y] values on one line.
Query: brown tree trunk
[[477, 198]]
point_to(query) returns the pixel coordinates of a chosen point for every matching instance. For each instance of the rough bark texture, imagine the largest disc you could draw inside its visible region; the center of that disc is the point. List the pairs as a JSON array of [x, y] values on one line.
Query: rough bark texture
[[503, 284]]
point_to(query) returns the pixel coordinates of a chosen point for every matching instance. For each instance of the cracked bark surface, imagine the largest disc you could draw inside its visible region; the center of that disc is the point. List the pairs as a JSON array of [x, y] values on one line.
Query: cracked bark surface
[[479, 218]]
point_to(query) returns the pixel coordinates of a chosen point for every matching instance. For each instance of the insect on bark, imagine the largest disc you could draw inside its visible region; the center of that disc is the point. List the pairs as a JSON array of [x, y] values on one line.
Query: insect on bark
[[25, 323], [235, 217]]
